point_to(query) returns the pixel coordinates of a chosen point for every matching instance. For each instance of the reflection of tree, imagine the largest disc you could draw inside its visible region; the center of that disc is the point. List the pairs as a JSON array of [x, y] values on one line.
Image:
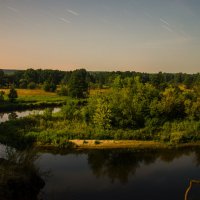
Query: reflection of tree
[[170, 155], [1, 115], [197, 154], [12, 116], [120, 164], [117, 164], [19, 177]]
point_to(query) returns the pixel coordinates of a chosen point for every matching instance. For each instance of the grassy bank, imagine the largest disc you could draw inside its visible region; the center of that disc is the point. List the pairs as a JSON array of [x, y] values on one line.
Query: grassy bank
[[31, 99], [54, 131]]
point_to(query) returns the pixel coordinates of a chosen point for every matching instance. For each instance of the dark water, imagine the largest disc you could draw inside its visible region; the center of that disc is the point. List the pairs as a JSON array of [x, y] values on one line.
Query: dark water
[[121, 174]]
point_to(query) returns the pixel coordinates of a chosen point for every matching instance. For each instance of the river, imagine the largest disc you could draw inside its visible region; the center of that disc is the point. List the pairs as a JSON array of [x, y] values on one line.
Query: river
[[19, 114], [119, 174]]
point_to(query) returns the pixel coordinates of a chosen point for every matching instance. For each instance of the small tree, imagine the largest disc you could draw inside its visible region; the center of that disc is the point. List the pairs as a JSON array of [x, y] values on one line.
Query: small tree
[[49, 87], [12, 94], [102, 115], [78, 84], [48, 113], [2, 96], [63, 91], [69, 111], [31, 85]]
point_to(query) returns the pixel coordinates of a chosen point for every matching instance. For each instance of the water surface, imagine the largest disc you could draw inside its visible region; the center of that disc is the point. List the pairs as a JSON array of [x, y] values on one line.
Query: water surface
[[121, 174], [19, 114]]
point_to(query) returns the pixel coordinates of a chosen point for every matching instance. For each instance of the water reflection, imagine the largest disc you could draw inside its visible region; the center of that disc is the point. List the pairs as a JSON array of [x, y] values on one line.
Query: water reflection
[[20, 178], [122, 174], [118, 165]]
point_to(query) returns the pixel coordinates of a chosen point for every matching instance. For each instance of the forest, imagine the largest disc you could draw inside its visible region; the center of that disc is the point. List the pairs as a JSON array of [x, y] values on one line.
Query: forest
[[162, 107]]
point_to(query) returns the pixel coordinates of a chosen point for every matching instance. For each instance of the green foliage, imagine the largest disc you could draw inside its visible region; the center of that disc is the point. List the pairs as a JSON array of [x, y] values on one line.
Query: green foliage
[[136, 106], [78, 85], [63, 91], [70, 111], [102, 114], [49, 86], [48, 113], [31, 85], [12, 94], [2, 93], [23, 83]]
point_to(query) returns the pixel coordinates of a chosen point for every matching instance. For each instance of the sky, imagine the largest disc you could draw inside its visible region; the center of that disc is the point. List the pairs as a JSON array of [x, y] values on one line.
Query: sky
[[101, 35]]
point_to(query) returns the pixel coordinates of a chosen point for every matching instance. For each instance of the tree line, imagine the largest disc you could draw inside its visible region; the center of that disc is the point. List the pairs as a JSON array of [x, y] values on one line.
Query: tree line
[[50, 79]]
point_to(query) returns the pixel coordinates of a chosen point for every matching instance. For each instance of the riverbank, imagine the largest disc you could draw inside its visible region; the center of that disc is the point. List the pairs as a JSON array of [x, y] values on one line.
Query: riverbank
[[120, 144], [112, 144]]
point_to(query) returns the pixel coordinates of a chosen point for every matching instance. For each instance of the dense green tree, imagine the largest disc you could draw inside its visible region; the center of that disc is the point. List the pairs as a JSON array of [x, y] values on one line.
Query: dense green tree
[[63, 91], [23, 83], [1, 77], [117, 82], [78, 85], [2, 93], [49, 87], [70, 111], [102, 114], [12, 94], [31, 85]]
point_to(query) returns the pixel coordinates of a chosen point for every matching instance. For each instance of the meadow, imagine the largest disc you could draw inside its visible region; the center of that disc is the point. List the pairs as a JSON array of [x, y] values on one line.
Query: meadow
[[30, 99]]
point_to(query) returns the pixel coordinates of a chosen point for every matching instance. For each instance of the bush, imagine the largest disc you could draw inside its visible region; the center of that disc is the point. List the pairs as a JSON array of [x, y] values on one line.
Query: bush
[[63, 91], [31, 85], [49, 87], [2, 96], [12, 94], [48, 113], [177, 137]]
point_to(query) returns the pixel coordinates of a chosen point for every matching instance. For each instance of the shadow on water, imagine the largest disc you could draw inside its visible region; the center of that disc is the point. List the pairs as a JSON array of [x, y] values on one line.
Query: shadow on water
[[118, 165], [122, 174], [20, 178]]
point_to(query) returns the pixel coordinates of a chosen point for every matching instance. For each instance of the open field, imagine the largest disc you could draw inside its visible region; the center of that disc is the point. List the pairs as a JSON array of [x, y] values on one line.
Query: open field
[[38, 95], [28, 92], [29, 99]]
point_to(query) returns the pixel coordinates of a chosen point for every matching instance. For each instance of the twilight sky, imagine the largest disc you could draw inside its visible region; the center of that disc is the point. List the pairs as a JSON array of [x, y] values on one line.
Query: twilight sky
[[135, 35]]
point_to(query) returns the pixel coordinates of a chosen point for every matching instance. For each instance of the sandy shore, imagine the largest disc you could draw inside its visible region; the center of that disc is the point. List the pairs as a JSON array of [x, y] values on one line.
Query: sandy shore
[[105, 144]]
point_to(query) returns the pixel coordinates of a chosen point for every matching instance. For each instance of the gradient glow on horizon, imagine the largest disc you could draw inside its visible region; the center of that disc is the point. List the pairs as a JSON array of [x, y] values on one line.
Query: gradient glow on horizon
[[101, 35]]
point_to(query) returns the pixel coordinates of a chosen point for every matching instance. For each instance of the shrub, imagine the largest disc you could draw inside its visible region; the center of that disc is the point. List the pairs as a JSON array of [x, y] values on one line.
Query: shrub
[[2, 96], [31, 85], [12, 94], [63, 91], [97, 142], [49, 87], [48, 113], [177, 137]]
